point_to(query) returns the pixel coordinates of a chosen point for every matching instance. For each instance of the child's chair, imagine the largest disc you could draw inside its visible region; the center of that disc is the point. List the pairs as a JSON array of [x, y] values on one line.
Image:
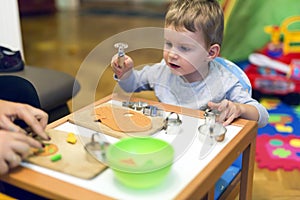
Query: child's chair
[[231, 176], [237, 71]]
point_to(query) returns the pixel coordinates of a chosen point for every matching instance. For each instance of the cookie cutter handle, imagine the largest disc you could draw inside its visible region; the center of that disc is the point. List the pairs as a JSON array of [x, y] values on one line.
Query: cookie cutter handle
[[172, 125], [121, 53], [97, 148]]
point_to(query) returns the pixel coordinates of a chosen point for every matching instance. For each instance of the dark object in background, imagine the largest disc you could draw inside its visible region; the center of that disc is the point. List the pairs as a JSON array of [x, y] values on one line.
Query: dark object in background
[[20, 90], [10, 61], [33, 7]]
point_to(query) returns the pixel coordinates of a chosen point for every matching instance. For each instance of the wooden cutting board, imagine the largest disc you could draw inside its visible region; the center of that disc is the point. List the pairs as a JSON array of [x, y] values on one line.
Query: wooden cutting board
[[87, 118], [75, 161]]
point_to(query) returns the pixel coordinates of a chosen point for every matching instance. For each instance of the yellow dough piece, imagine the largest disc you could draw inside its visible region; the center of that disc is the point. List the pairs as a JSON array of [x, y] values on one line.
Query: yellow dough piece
[[71, 138]]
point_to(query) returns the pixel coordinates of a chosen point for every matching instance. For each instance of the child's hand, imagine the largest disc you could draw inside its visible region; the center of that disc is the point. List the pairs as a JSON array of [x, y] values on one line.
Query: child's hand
[[228, 111], [121, 70]]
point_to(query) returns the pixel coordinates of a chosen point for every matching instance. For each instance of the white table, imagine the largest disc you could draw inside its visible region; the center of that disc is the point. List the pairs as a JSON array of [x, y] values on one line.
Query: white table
[[190, 176]]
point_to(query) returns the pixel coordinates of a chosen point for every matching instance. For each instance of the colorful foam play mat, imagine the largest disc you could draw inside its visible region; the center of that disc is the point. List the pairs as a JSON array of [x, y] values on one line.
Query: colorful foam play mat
[[278, 143]]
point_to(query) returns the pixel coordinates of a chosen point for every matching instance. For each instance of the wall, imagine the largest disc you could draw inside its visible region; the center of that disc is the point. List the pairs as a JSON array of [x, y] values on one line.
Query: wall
[[10, 34]]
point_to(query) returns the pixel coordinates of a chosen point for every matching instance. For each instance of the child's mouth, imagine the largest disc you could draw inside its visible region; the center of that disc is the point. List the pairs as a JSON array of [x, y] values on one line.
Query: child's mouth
[[174, 66]]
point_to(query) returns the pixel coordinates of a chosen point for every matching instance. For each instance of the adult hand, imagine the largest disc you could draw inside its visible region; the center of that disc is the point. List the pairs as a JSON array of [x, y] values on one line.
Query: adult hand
[[14, 147], [35, 118]]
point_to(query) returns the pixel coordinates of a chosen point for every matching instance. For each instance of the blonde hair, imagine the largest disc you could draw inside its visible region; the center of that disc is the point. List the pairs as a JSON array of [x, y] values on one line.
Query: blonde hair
[[197, 15]]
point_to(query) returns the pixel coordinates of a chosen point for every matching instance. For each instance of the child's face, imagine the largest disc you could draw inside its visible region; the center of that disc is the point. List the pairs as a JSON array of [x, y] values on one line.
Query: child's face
[[185, 53]]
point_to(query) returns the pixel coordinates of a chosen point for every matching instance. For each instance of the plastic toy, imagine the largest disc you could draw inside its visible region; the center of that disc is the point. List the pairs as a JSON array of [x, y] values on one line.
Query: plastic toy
[[274, 31], [292, 70], [274, 70], [291, 42], [291, 37]]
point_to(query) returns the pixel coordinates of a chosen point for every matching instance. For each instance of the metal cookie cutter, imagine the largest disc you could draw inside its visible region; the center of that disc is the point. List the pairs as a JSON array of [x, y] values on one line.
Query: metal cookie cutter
[[173, 124], [127, 104], [121, 53], [153, 111], [212, 127], [139, 105], [97, 148], [210, 132]]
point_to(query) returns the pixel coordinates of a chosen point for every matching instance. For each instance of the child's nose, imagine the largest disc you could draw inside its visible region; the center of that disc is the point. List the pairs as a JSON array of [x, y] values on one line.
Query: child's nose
[[173, 54]]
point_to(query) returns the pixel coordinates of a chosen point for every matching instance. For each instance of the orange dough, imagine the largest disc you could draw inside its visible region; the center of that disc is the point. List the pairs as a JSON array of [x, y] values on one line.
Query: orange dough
[[48, 150], [123, 119]]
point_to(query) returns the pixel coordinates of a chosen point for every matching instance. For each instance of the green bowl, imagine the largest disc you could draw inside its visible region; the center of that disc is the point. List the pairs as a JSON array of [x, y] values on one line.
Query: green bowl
[[140, 162]]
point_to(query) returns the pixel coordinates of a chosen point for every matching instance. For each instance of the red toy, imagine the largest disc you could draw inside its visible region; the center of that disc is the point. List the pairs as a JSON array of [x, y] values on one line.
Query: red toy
[[275, 69]]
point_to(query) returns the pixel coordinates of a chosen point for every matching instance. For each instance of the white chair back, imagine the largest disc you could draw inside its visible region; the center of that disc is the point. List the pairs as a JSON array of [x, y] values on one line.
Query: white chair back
[[237, 71]]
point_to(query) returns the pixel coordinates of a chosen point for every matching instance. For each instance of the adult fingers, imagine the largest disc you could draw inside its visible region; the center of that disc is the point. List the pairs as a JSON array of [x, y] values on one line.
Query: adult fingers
[[42, 117], [13, 160], [3, 167], [7, 124], [39, 115], [23, 144], [18, 143], [34, 118]]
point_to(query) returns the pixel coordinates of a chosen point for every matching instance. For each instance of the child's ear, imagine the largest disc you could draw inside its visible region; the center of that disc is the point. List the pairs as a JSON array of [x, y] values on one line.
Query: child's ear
[[214, 51]]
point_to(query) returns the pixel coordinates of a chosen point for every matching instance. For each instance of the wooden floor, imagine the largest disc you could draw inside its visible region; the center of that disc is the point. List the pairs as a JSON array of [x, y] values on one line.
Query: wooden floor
[[63, 40]]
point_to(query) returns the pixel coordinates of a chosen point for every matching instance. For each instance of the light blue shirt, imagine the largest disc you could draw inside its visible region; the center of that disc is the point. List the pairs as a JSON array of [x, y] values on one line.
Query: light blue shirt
[[219, 84]]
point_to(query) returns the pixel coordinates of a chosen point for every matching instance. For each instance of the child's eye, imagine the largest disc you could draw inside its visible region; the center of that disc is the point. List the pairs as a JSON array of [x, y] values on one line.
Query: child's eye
[[184, 48], [168, 44]]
